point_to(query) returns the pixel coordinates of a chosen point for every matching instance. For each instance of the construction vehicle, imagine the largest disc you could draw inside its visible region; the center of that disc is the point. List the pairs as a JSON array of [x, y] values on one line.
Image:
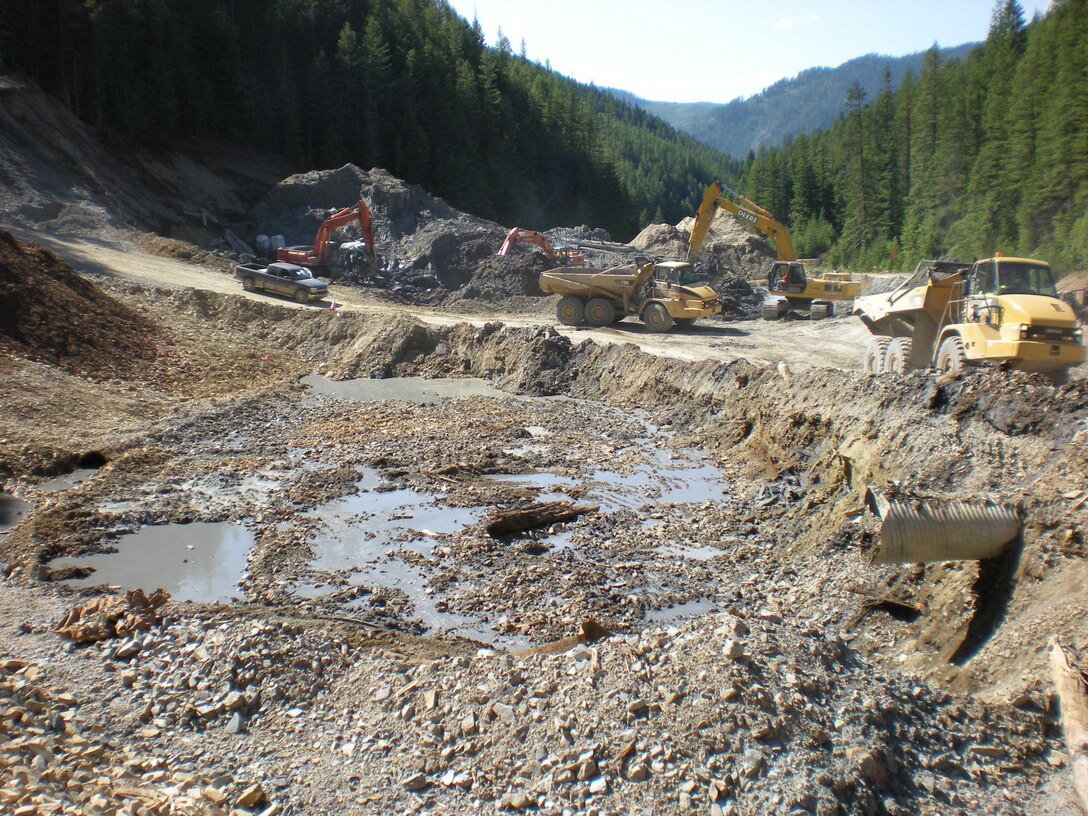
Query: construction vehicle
[[662, 295], [950, 315], [790, 287], [519, 235], [353, 260]]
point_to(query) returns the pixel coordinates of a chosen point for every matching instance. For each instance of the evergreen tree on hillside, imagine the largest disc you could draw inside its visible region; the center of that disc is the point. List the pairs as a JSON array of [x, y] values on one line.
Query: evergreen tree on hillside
[[402, 84]]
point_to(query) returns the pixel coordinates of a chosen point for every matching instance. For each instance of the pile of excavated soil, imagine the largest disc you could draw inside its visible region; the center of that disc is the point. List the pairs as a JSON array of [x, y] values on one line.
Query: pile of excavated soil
[[501, 278], [729, 250], [49, 313], [425, 248], [731, 256]]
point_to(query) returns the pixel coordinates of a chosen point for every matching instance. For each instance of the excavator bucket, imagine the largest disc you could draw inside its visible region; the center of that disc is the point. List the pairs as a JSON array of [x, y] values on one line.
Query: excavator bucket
[[914, 532]]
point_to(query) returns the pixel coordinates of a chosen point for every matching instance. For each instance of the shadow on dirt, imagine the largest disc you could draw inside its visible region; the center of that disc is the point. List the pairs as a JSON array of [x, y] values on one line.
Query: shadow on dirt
[[690, 331]]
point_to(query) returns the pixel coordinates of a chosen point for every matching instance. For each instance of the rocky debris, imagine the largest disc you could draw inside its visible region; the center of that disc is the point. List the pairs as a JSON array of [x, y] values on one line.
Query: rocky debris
[[209, 672], [770, 699], [108, 617], [503, 279], [796, 725], [50, 313], [426, 249], [52, 760]]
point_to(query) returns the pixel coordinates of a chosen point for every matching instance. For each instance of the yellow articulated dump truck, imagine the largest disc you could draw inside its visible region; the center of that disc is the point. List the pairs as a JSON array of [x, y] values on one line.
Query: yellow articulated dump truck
[[663, 295], [951, 315]]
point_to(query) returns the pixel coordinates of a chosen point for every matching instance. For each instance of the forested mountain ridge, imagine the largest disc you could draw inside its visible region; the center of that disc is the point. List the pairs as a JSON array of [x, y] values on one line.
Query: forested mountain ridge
[[806, 103], [406, 85], [965, 159]]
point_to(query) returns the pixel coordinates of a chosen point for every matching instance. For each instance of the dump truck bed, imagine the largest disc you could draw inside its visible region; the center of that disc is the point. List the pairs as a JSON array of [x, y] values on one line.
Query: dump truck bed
[[617, 283]]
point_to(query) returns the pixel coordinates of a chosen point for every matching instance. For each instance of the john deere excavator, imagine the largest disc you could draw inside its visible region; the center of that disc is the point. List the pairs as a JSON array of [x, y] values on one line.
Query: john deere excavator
[[355, 258], [790, 287]]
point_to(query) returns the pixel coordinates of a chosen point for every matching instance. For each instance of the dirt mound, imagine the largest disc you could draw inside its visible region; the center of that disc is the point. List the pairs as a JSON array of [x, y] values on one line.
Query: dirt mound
[[498, 278], [425, 247], [663, 240], [49, 313]]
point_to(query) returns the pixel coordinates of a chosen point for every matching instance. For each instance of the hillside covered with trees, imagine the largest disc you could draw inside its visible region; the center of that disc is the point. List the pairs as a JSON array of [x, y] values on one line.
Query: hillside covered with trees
[[988, 154], [806, 103], [406, 85]]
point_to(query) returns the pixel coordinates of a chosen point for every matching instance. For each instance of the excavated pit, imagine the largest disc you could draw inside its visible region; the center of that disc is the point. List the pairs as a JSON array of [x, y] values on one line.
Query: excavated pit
[[730, 518]]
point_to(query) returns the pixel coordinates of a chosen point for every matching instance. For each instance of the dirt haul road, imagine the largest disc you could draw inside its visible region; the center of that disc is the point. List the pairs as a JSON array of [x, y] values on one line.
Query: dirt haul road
[[830, 344]]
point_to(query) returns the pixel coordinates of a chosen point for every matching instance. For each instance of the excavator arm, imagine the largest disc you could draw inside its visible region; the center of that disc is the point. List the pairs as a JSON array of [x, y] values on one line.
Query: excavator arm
[[747, 211], [318, 255], [518, 235]]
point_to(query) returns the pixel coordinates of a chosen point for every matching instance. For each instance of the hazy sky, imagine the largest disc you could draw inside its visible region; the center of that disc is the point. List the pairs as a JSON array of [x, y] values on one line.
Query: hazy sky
[[717, 50]]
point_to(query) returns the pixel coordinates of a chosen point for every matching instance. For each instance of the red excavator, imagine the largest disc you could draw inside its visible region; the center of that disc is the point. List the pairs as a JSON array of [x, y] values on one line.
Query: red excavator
[[518, 235], [321, 255]]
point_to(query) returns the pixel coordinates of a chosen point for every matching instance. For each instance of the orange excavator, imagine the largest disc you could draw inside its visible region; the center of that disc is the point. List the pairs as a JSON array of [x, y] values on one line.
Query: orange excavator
[[518, 235], [321, 254]]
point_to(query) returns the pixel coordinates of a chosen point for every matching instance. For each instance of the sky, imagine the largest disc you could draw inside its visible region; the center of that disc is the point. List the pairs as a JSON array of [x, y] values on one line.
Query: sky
[[717, 50]]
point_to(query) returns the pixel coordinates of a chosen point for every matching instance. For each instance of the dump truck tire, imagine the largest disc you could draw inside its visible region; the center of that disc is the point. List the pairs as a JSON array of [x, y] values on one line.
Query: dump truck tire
[[897, 356], [951, 358], [875, 350], [570, 311], [657, 318], [600, 312], [247, 284]]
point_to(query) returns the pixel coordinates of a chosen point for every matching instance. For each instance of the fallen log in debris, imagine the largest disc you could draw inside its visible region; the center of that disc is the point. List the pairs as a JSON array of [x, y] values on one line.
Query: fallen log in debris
[[588, 632], [533, 516], [1073, 701]]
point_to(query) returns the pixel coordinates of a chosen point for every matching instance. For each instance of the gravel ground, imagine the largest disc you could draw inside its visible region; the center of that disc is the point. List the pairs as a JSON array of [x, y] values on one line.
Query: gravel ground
[[373, 661]]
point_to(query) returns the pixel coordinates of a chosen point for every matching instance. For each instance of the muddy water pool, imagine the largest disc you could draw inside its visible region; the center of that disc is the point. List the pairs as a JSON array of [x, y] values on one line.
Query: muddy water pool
[[202, 561]]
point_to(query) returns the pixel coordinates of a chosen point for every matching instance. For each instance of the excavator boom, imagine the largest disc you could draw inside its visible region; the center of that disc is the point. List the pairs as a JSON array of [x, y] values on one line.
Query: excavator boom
[[520, 235], [747, 211], [319, 254]]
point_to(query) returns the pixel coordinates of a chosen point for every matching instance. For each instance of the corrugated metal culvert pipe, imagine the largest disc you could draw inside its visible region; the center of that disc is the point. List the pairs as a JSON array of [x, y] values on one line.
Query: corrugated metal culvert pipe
[[916, 531]]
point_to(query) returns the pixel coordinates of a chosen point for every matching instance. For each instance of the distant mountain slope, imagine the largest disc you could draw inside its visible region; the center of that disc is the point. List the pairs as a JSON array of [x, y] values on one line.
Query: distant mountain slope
[[808, 102]]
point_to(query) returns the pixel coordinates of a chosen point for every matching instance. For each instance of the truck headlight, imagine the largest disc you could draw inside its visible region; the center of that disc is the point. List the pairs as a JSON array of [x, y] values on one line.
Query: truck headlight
[[1024, 331]]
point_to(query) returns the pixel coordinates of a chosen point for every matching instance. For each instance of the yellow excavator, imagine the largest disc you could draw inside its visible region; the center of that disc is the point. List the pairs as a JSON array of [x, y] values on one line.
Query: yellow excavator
[[790, 287]]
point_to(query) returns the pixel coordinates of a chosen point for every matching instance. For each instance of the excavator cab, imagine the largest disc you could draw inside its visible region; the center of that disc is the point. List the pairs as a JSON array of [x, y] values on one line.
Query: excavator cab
[[786, 277]]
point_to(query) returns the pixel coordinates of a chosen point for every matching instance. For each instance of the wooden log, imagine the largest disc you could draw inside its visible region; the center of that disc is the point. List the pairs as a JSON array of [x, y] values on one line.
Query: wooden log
[[1073, 700], [530, 517], [588, 632]]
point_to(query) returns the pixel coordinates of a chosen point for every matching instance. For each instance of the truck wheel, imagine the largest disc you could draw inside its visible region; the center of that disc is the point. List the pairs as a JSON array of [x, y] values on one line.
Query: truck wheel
[[875, 351], [247, 284], [600, 312], [657, 318], [300, 296], [570, 311], [897, 356], [951, 357]]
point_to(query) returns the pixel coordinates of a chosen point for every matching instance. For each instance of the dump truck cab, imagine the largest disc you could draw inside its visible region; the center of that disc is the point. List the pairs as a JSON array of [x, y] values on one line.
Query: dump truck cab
[[1010, 312]]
